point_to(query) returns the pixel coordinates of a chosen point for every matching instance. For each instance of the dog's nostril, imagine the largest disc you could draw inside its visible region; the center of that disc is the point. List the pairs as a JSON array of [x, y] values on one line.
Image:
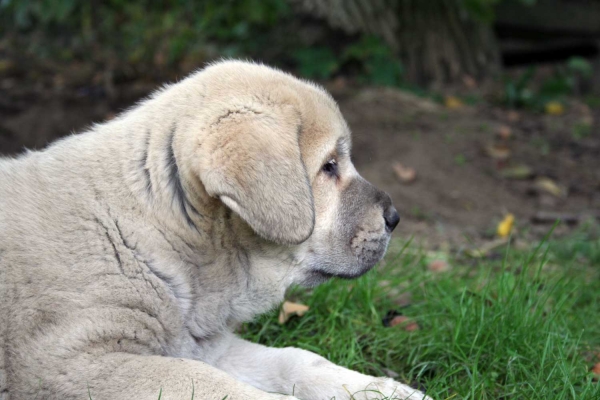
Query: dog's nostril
[[391, 218]]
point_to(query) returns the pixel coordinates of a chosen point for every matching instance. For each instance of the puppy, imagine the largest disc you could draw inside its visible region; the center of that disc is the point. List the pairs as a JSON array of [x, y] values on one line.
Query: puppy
[[129, 253]]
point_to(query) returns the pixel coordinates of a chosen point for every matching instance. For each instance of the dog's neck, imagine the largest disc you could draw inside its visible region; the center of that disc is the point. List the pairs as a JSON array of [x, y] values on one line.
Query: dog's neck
[[195, 239], [155, 176], [217, 269]]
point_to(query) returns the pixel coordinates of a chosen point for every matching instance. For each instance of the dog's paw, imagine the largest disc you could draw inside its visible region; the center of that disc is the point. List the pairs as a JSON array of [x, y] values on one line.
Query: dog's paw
[[385, 389]]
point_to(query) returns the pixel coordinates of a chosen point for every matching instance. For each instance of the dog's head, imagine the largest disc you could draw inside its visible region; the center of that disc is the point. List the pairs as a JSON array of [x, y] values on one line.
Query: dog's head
[[277, 152]]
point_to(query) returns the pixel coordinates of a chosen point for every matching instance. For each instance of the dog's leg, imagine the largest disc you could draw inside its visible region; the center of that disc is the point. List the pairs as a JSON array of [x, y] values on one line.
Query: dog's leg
[[305, 374], [126, 376]]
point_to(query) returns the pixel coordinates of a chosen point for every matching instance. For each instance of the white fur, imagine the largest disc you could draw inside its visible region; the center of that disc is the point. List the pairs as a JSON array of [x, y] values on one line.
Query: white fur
[[122, 271]]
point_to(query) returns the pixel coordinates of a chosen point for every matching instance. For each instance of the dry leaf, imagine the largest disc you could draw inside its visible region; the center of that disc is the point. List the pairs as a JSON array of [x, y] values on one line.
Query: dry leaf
[[405, 323], [469, 81], [404, 174], [411, 327], [554, 108], [504, 132], [505, 226], [517, 172], [438, 266], [596, 369], [513, 116], [453, 102], [498, 151], [397, 320], [549, 186], [289, 309]]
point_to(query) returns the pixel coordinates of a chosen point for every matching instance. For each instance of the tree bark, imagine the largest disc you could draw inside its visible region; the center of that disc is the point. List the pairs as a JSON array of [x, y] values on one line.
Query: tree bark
[[437, 40]]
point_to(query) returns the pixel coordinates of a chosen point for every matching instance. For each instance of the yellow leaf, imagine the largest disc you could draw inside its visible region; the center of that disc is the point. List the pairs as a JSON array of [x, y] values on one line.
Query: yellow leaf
[[289, 309], [453, 102], [554, 108], [516, 172], [549, 186], [506, 225]]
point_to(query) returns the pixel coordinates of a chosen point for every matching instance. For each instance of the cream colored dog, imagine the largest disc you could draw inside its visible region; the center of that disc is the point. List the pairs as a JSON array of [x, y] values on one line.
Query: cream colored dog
[[129, 253]]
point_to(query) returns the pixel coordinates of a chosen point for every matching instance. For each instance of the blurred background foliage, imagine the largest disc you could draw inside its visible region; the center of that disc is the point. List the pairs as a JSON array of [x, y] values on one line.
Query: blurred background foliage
[[383, 42], [142, 34], [145, 36]]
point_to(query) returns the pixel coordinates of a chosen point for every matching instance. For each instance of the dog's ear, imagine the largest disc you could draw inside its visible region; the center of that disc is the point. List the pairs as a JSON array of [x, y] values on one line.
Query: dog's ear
[[251, 160]]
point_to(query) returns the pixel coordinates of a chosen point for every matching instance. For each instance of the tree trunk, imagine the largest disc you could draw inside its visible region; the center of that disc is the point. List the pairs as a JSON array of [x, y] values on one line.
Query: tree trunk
[[437, 40]]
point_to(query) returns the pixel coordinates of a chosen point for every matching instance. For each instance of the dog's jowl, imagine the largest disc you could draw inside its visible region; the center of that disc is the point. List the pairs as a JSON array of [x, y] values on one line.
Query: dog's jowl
[[129, 253]]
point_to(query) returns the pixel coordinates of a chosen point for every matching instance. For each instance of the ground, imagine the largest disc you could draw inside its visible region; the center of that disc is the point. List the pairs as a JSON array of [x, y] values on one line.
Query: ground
[[460, 192]]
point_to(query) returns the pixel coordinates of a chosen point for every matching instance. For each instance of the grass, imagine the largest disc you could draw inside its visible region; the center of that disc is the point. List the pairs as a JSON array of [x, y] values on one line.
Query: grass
[[524, 325]]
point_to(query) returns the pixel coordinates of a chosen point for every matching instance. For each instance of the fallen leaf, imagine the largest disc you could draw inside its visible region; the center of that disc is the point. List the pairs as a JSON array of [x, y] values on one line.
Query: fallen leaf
[[554, 108], [405, 323], [438, 266], [498, 151], [549, 186], [289, 309], [403, 173], [513, 116], [411, 327], [517, 172], [453, 102], [596, 369], [469, 81], [504, 132], [505, 226], [400, 319]]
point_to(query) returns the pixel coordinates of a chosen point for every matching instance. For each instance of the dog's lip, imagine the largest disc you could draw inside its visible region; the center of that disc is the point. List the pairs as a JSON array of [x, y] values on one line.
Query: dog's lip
[[340, 275]]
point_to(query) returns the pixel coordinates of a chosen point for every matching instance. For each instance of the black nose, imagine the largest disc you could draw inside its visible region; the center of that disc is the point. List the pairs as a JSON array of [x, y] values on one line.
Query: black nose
[[391, 218]]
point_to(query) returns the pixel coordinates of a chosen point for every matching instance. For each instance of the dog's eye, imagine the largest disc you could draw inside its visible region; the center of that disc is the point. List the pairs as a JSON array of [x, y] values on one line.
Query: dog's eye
[[331, 167]]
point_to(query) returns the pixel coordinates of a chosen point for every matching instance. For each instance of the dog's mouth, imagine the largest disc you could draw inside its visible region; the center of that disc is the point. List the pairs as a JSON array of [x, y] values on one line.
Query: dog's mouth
[[315, 277], [342, 275], [349, 266]]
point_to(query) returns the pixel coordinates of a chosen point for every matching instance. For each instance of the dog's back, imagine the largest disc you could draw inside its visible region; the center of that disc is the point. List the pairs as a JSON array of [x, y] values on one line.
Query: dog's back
[[31, 243], [14, 201], [57, 263]]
